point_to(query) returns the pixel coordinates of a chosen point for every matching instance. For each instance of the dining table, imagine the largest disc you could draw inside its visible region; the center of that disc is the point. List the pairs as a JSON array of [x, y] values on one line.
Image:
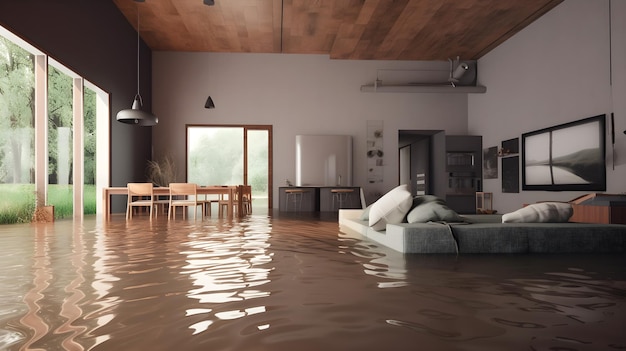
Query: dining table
[[233, 193]]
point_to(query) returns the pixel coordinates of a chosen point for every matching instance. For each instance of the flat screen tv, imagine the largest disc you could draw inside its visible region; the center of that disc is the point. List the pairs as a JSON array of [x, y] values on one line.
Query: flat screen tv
[[566, 157]]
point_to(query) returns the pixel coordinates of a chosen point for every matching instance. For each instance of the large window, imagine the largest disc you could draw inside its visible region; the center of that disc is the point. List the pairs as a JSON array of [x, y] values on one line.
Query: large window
[[49, 120], [60, 141], [232, 155], [17, 138], [89, 151]]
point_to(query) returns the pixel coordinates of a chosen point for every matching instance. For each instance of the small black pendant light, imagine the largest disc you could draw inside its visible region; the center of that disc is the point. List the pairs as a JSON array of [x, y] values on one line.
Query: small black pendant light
[[209, 103]]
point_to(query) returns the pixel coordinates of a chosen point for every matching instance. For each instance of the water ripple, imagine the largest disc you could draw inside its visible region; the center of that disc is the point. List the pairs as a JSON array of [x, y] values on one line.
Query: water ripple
[[282, 284]]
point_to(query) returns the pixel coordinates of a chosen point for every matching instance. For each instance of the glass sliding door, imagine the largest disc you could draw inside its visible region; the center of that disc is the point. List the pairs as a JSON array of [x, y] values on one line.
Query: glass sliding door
[[231, 155], [96, 146], [77, 112], [89, 151], [258, 167], [17, 132], [60, 142]]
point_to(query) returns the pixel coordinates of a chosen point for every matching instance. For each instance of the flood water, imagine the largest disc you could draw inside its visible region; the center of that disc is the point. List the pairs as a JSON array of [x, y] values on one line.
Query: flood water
[[287, 283]]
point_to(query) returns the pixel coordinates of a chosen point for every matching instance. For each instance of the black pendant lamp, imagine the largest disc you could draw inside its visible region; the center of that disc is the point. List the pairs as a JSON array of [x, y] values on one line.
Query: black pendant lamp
[[209, 103], [135, 115]]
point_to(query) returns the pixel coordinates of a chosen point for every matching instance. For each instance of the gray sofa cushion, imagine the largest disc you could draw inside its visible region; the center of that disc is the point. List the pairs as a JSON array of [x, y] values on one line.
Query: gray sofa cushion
[[488, 237], [576, 237], [482, 218], [429, 208]]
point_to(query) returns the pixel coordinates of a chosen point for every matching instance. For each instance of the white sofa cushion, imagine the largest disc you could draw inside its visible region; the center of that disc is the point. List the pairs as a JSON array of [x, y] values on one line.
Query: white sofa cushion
[[390, 208], [365, 216], [543, 212]]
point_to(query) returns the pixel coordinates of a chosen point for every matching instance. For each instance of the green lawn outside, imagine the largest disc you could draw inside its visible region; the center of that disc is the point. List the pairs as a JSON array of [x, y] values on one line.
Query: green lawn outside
[[17, 201]]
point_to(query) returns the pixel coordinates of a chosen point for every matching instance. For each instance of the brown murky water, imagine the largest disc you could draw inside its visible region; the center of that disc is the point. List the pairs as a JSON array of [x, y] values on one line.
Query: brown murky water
[[281, 283]]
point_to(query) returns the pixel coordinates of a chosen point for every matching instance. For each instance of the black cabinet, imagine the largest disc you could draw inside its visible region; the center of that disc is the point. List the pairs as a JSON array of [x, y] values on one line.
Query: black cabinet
[[318, 199], [464, 171]]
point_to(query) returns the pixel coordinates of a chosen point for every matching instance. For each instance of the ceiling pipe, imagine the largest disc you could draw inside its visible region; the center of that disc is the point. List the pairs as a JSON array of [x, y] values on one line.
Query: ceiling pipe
[[454, 76], [441, 88]]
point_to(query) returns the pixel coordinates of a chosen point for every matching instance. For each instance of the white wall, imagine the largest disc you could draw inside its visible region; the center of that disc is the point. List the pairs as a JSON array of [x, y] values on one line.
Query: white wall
[[297, 94], [555, 71]]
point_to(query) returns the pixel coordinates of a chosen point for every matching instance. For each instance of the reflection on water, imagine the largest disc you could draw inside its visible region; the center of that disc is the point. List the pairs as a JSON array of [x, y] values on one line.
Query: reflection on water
[[540, 174], [232, 266], [281, 283]]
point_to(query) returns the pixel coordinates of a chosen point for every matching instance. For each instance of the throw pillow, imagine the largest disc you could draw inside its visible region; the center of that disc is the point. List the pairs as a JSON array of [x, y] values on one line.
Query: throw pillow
[[543, 212], [421, 199], [429, 208], [390, 208]]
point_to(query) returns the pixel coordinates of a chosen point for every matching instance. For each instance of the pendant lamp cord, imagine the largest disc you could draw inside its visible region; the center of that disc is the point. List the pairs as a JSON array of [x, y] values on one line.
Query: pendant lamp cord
[[138, 95]]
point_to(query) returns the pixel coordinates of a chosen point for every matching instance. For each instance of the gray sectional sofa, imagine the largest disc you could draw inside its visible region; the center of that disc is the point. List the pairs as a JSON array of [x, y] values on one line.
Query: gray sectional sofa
[[487, 234]]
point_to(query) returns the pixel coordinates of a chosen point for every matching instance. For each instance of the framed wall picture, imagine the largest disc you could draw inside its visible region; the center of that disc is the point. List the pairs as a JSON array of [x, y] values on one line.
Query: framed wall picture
[[510, 174], [510, 147], [490, 163], [567, 157]]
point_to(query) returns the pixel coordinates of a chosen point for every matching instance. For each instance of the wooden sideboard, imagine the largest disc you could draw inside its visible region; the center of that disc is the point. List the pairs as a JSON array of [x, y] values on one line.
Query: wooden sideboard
[[599, 208]]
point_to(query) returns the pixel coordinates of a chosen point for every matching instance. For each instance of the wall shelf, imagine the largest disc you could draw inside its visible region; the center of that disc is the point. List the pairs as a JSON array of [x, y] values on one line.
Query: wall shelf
[[372, 88]]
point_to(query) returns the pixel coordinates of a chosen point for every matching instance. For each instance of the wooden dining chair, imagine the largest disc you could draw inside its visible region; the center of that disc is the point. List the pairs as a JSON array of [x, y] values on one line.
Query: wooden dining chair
[[161, 203], [222, 205], [183, 195], [245, 191], [207, 201], [139, 195], [246, 198]]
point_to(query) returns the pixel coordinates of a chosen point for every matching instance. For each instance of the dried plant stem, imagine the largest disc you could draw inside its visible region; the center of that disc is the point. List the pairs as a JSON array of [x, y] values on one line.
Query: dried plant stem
[[162, 172]]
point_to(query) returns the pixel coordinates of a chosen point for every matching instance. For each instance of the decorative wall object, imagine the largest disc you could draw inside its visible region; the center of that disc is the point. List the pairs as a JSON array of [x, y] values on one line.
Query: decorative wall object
[[323, 160], [510, 174], [569, 157], [375, 152], [509, 152], [490, 163], [421, 184], [509, 148]]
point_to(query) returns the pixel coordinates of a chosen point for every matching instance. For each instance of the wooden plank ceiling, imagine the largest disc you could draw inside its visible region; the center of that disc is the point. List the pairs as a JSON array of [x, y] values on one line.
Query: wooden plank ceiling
[[342, 29]]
